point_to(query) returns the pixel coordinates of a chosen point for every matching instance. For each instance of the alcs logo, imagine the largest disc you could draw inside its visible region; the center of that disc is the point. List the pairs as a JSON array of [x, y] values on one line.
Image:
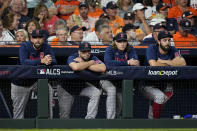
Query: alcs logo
[[49, 71]]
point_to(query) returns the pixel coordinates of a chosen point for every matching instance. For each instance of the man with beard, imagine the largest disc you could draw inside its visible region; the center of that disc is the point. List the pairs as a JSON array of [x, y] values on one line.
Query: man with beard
[[80, 61], [35, 52], [82, 20], [183, 37], [161, 54]]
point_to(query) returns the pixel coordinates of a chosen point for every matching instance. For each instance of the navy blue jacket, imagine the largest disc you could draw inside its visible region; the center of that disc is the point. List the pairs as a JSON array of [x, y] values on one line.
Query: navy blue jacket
[[114, 57]]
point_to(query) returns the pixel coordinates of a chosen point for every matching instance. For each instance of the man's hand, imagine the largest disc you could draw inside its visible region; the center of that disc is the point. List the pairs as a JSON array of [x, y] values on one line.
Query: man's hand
[[47, 60], [133, 62], [78, 60], [163, 61]]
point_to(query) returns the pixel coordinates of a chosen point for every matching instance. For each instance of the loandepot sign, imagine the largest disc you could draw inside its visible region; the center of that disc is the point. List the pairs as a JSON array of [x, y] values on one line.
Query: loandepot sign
[[162, 73]]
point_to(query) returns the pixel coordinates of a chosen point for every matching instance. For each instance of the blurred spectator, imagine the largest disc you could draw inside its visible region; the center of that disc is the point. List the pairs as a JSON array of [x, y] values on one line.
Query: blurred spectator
[[5, 37], [46, 22], [140, 20], [21, 36], [170, 3], [150, 12], [189, 15], [101, 35], [171, 23], [152, 23], [66, 8], [50, 6], [153, 40], [3, 5], [104, 2], [115, 21], [31, 25], [60, 23], [94, 9], [177, 11], [183, 38], [130, 30], [124, 6], [10, 23], [61, 37], [31, 4], [76, 35], [18, 7], [82, 20], [193, 4], [129, 18], [25, 9]]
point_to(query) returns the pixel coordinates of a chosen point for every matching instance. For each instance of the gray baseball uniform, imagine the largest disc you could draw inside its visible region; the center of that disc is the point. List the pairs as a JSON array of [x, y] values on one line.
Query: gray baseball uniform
[[28, 55]]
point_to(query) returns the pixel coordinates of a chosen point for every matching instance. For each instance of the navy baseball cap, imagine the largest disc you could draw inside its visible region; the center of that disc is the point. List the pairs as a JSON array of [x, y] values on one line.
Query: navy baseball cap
[[111, 5], [164, 34], [129, 16], [185, 24], [187, 14], [121, 37], [84, 46], [161, 6], [158, 26], [83, 4], [128, 27], [37, 33]]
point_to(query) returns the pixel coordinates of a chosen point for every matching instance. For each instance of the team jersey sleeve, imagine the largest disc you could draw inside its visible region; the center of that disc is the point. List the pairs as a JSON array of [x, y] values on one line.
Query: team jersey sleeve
[[97, 60], [133, 54], [109, 58], [24, 57], [175, 52], [150, 53], [71, 59]]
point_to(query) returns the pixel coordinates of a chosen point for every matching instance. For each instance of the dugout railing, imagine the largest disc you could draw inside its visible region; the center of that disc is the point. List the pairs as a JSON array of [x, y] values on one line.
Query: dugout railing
[[127, 74]]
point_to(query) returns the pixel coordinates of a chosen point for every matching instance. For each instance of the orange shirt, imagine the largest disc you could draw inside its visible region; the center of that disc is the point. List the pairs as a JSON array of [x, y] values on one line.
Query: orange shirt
[[176, 12], [116, 24], [180, 41], [65, 4], [138, 31], [55, 41], [168, 2], [95, 14]]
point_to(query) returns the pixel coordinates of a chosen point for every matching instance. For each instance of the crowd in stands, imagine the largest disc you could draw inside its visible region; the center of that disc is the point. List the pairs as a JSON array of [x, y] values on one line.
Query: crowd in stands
[[121, 24], [98, 20]]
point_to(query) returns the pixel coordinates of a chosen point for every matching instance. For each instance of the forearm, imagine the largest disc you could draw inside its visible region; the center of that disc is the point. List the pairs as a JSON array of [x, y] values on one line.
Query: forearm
[[146, 27], [97, 68], [140, 37], [80, 66], [176, 62], [156, 63], [67, 11]]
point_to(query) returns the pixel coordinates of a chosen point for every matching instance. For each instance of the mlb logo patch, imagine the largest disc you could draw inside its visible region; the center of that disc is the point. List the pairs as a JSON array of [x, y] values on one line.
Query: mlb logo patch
[[41, 71]]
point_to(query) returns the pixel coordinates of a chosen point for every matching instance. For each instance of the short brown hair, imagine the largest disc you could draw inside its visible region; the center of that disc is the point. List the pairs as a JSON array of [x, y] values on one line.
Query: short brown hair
[[8, 19]]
